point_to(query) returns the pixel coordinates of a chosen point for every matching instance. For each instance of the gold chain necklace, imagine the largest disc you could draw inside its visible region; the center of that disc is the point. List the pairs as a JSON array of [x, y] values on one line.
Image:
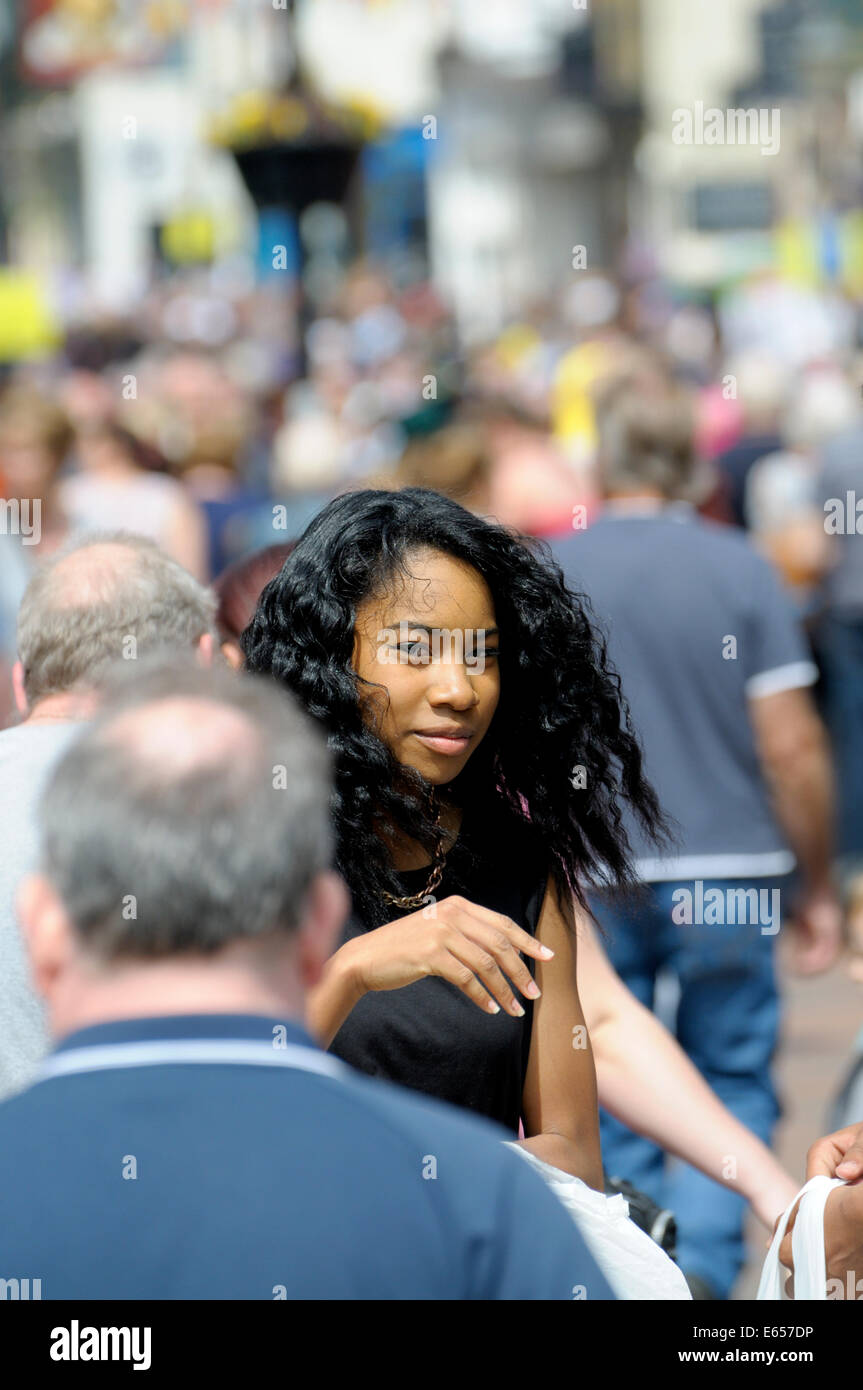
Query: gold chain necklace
[[438, 862]]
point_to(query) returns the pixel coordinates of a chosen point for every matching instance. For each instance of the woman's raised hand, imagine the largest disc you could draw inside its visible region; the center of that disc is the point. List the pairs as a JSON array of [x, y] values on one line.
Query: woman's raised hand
[[469, 945]]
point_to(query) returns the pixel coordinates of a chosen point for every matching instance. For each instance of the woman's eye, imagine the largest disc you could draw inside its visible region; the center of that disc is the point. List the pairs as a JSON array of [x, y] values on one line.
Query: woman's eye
[[417, 651], [482, 654]]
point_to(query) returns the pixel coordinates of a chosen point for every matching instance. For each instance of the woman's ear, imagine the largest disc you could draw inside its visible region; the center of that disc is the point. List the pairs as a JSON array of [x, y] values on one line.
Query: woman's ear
[[233, 654]]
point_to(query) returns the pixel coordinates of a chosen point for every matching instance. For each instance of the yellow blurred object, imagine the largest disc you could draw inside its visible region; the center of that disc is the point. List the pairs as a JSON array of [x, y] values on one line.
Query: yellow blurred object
[[515, 343], [364, 109], [259, 117], [249, 115], [288, 118], [27, 327], [96, 13], [574, 419], [164, 18], [189, 237], [851, 243], [577, 373], [797, 253], [579, 368]]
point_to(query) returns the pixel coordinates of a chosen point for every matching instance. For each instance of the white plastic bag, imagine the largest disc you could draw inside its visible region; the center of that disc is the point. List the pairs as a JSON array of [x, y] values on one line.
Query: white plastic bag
[[807, 1245], [633, 1264]]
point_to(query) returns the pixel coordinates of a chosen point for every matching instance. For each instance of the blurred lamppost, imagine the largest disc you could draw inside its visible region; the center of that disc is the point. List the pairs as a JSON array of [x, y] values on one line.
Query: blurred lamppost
[[294, 152]]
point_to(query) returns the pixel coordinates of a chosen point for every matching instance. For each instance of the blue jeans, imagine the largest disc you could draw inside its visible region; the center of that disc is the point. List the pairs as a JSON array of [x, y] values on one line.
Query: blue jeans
[[727, 1023]]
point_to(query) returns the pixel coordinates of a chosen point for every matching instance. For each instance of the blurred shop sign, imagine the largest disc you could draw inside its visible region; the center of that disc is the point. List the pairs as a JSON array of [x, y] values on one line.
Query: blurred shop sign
[[61, 39], [27, 326], [732, 207]]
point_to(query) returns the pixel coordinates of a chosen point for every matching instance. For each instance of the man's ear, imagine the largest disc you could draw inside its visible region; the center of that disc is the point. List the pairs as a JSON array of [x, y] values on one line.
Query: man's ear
[[48, 934], [18, 690], [204, 650], [326, 910]]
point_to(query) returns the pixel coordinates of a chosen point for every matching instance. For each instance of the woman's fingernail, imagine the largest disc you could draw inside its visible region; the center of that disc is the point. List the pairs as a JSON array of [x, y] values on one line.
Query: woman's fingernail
[[517, 1009], [533, 990], [546, 953], [493, 1008]]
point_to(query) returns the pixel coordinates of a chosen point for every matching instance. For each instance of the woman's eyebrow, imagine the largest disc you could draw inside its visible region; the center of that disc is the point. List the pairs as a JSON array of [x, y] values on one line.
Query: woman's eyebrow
[[424, 627]]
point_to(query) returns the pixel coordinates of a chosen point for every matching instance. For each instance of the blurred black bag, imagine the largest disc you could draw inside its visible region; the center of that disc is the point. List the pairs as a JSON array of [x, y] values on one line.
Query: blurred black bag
[[654, 1220]]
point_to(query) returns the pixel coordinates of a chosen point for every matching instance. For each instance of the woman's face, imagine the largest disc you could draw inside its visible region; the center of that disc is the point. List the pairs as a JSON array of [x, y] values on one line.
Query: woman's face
[[432, 641], [27, 468]]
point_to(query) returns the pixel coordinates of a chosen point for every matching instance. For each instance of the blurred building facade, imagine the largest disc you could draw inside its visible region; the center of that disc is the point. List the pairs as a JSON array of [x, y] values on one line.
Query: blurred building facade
[[497, 141]]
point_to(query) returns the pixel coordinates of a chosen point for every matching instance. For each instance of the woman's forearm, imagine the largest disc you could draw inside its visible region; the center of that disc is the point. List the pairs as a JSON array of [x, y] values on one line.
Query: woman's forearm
[[646, 1080]]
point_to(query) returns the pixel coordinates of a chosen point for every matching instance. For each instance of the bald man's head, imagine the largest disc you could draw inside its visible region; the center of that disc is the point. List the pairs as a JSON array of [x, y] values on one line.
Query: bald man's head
[[112, 598], [192, 813], [183, 736], [90, 574]]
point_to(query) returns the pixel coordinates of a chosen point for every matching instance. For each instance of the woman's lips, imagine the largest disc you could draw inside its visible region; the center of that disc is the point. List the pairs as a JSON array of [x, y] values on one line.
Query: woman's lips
[[445, 743]]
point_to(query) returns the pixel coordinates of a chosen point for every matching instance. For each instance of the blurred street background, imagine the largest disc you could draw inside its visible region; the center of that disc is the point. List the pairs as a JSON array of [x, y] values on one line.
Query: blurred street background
[[255, 253]]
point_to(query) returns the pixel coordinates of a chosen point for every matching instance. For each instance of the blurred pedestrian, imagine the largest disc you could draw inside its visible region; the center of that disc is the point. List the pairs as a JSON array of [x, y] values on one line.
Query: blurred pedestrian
[[35, 436], [238, 589], [116, 486], [839, 498], [761, 386], [716, 673], [455, 461]]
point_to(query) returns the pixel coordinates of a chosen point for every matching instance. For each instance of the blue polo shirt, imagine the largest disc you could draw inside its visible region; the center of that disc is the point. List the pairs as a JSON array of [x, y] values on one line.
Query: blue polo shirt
[[697, 626], [228, 1157]]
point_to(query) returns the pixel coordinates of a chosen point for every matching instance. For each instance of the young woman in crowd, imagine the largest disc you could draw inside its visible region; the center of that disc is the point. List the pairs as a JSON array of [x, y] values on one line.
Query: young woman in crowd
[[481, 749]]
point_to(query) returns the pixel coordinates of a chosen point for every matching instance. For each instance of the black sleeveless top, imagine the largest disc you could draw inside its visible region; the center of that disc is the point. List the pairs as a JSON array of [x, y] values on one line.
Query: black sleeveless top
[[429, 1035]]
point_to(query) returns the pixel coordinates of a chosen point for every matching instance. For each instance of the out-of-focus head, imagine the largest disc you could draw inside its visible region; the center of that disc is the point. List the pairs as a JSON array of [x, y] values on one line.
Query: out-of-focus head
[[203, 795], [455, 461], [825, 404], [763, 386], [87, 398], [107, 445], [646, 440], [112, 598], [238, 589], [35, 436], [188, 830]]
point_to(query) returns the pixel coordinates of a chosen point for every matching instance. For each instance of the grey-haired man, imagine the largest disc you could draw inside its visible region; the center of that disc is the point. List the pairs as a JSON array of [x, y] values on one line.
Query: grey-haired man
[[110, 599]]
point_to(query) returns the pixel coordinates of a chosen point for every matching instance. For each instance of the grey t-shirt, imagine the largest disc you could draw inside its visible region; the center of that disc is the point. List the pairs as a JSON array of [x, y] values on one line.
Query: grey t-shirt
[[697, 625], [27, 756]]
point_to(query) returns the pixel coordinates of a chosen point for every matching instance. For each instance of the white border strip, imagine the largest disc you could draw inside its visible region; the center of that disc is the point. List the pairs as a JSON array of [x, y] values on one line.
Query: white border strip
[[243, 1052], [791, 677], [706, 866]]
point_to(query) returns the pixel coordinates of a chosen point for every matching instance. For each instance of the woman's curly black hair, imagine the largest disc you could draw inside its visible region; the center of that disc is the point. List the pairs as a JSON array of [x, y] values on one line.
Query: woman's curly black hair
[[560, 706]]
